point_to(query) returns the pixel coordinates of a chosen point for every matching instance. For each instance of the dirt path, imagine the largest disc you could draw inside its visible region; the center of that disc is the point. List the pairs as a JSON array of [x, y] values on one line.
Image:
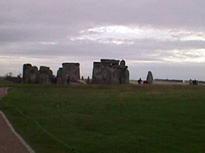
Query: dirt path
[[10, 141]]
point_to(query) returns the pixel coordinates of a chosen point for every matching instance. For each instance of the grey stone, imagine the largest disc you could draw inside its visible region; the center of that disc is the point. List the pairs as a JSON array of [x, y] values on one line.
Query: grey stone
[[108, 71], [25, 75], [70, 72], [109, 62], [149, 78], [43, 78], [45, 75], [32, 75], [126, 77]]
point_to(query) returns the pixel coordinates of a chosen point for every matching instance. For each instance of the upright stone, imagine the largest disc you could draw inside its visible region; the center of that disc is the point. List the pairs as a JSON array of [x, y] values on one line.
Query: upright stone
[[33, 74], [149, 78], [45, 75], [59, 76], [109, 71], [126, 77], [70, 72], [115, 76], [26, 77]]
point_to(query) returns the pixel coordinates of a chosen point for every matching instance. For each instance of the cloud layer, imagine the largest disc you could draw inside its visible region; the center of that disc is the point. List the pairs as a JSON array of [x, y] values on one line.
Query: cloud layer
[[166, 37]]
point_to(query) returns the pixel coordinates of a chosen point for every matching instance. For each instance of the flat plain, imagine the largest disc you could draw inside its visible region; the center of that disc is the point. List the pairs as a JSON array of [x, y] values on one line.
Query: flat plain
[[108, 118]]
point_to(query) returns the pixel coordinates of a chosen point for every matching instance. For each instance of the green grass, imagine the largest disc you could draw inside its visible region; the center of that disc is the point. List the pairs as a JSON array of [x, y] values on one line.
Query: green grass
[[110, 119], [5, 83]]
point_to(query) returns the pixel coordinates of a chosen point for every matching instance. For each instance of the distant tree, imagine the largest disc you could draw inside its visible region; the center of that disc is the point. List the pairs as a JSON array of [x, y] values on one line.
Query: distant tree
[[17, 79], [9, 74]]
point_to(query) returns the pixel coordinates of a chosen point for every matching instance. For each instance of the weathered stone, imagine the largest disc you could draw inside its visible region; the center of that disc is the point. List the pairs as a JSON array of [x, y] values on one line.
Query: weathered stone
[[70, 72], [59, 72], [126, 77], [149, 78], [122, 63], [45, 75], [32, 75], [110, 72], [44, 69], [25, 76], [43, 78], [109, 62]]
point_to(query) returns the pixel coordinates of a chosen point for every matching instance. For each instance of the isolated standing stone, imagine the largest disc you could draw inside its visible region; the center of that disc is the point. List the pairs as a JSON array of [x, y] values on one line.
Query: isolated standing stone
[[149, 78]]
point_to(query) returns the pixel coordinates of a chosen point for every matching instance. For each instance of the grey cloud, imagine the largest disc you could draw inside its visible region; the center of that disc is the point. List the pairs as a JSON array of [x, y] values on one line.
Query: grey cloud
[[142, 50], [167, 70], [154, 12], [27, 27]]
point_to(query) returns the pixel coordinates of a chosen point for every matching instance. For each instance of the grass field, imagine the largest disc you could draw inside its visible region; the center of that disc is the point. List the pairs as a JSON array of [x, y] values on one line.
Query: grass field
[[109, 119]]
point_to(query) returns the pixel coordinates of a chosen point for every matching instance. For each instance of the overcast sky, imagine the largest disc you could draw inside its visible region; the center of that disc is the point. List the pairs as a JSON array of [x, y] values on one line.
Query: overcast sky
[[164, 36]]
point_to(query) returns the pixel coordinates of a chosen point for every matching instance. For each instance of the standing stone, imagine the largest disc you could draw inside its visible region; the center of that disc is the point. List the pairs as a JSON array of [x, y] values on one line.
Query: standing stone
[[59, 76], [126, 77], [45, 75], [116, 77], [25, 76], [32, 73], [70, 72], [96, 76], [43, 78], [149, 78], [109, 71]]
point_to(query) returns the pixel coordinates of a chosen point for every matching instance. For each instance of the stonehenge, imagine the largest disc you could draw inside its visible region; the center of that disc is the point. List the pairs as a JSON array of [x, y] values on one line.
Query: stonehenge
[[110, 71], [107, 71]]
